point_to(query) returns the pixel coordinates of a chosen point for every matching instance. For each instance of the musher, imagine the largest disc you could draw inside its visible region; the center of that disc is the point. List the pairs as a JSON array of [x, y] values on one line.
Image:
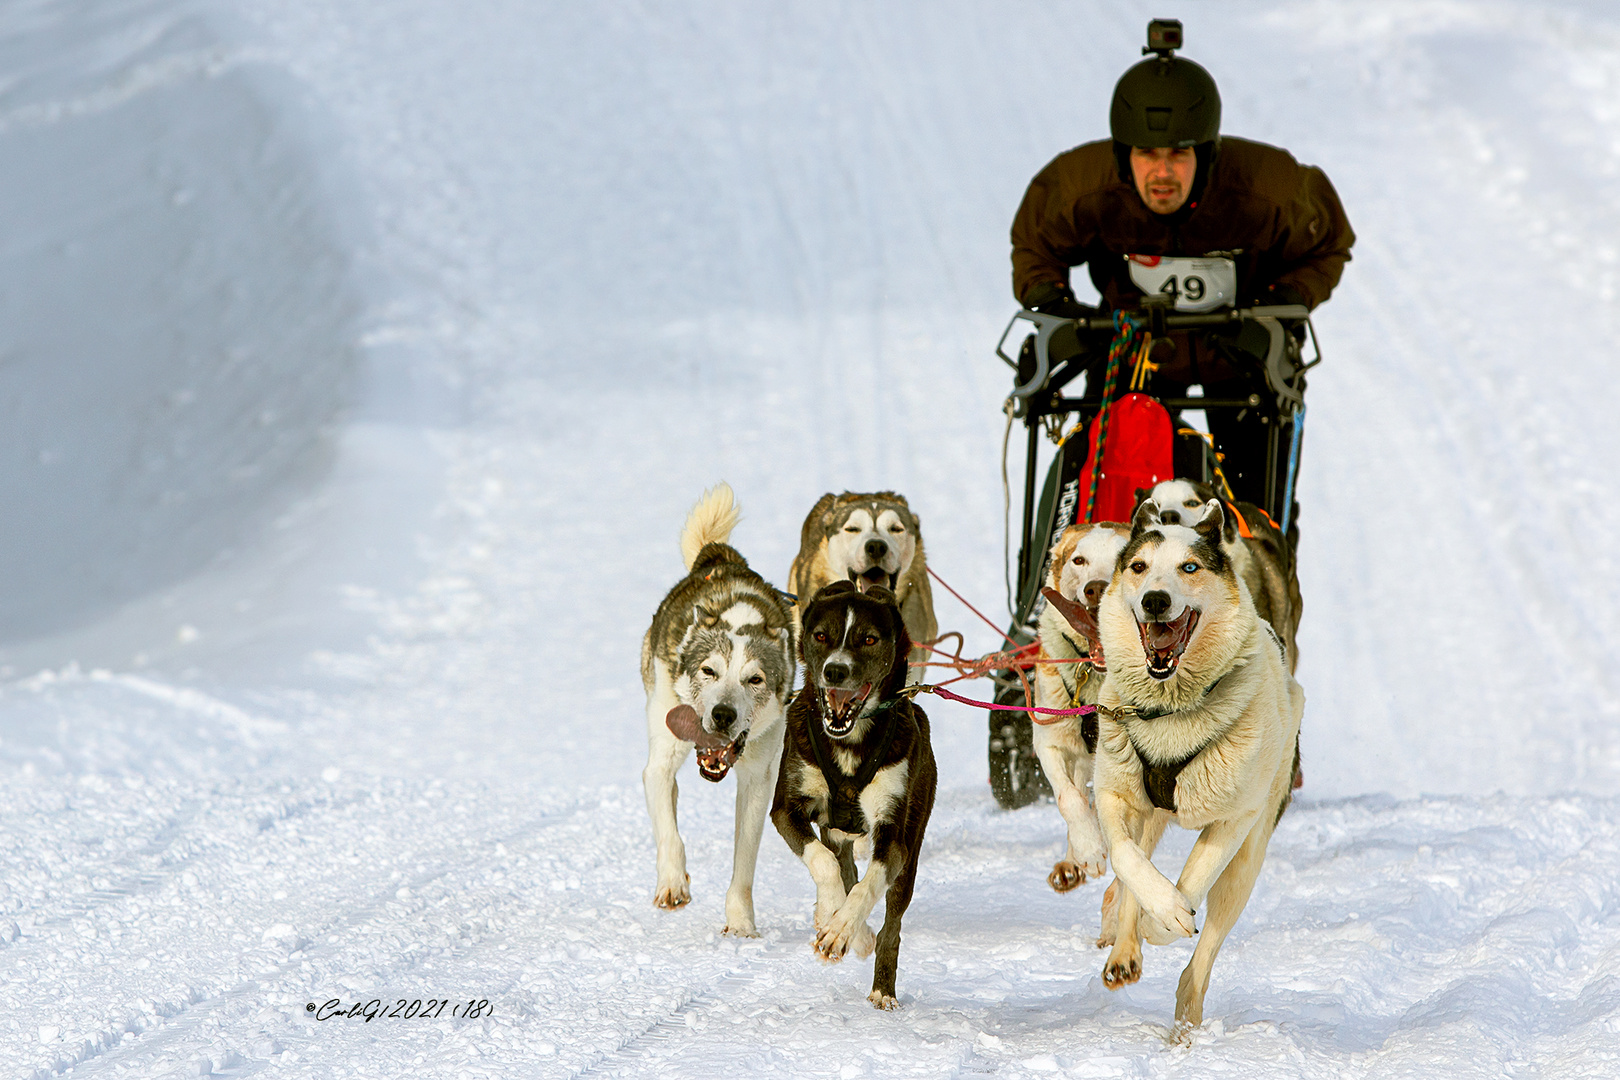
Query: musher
[[1169, 184]]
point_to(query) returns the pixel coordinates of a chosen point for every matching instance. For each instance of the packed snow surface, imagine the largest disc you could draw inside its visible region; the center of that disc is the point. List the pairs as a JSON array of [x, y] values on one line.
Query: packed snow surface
[[360, 362]]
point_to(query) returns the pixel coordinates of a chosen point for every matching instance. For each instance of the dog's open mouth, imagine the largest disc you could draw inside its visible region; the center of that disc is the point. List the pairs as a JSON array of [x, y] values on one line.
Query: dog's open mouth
[[1164, 642], [715, 756], [1083, 620], [874, 576], [843, 706]]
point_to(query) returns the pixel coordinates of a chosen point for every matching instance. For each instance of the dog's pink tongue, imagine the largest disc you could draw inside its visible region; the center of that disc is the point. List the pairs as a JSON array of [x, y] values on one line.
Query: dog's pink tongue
[[683, 722], [1162, 635]]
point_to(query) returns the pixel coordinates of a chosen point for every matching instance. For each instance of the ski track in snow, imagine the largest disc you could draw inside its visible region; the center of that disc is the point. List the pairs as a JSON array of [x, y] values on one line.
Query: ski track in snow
[[387, 746]]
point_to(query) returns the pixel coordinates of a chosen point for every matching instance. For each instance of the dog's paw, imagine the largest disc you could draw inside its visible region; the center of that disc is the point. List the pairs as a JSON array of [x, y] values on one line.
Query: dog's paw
[[1065, 876], [1124, 966], [883, 1001], [1069, 874], [1093, 862], [673, 895], [1168, 923], [741, 930], [842, 933], [1110, 916]]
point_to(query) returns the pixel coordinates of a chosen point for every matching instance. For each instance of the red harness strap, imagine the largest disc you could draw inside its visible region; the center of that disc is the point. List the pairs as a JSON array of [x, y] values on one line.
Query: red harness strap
[[1033, 710]]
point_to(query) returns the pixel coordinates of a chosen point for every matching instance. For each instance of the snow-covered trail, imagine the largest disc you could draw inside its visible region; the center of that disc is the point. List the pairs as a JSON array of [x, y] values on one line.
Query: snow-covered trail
[[570, 264], [184, 928]]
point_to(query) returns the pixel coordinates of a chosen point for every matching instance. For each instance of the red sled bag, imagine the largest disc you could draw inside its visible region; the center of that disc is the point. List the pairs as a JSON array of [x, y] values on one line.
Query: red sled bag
[[1139, 452]]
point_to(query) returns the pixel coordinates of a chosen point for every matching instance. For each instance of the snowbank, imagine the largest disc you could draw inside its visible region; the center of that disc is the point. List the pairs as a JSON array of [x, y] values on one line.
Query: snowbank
[[176, 313]]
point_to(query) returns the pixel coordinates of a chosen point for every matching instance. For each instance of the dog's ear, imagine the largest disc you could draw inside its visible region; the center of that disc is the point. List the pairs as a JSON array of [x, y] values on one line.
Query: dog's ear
[[1146, 516], [833, 590], [900, 666], [816, 521], [881, 593], [1143, 495], [1211, 522], [705, 617]]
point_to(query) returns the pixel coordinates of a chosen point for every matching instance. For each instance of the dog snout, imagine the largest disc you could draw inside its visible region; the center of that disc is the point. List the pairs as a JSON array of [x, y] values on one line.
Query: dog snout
[[1094, 590], [724, 716], [1156, 604], [835, 673], [876, 550], [1169, 517]]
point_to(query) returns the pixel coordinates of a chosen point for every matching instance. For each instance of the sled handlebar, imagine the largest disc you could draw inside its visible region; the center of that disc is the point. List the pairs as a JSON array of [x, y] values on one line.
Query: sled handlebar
[[1046, 326]]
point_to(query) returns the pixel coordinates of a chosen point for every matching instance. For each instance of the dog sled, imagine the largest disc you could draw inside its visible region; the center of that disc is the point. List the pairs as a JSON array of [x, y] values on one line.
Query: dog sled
[[1113, 438]]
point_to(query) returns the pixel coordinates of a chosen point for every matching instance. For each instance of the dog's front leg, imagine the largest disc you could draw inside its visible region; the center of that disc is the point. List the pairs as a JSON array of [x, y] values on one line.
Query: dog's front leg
[[847, 927], [756, 781], [665, 753], [792, 819], [1211, 852], [1068, 768], [824, 871], [1161, 901]]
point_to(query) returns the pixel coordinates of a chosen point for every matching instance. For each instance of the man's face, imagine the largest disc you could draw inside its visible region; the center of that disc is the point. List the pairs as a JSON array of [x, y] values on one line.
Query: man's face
[[1164, 176]]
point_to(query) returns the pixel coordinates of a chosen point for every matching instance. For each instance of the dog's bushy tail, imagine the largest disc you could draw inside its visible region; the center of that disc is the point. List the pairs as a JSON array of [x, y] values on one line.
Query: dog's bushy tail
[[710, 521]]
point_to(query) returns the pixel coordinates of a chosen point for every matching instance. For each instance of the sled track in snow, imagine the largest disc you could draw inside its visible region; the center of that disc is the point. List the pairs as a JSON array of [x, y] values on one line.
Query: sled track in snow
[[110, 1046], [670, 1026]]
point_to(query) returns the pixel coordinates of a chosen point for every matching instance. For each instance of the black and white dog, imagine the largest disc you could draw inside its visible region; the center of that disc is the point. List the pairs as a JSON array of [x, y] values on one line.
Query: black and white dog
[[857, 764], [717, 664]]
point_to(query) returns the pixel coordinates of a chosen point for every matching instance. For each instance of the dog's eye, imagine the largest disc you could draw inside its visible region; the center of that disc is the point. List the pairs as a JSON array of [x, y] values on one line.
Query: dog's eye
[[897, 528], [1190, 568], [869, 640], [852, 528], [1079, 560], [709, 671], [756, 680], [1192, 504], [1138, 567], [820, 636]]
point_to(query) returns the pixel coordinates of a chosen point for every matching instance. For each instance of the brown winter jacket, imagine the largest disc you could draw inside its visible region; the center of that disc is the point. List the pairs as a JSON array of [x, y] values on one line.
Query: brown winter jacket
[[1283, 217]]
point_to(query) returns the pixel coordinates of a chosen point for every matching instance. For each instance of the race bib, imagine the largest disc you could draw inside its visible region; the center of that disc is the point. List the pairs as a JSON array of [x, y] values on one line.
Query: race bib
[[1201, 284]]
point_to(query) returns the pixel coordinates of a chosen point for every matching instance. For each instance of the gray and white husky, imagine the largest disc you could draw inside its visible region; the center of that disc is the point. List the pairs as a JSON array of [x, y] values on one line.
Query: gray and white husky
[[717, 664]]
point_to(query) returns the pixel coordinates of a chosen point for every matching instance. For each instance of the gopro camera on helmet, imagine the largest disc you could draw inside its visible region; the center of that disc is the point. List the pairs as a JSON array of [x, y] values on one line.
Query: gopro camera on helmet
[[1164, 37], [1166, 100]]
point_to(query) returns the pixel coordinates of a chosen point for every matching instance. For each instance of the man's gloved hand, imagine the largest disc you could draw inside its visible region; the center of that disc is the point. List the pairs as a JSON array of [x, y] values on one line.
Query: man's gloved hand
[[1287, 294], [1052, 298], [1283, 294]]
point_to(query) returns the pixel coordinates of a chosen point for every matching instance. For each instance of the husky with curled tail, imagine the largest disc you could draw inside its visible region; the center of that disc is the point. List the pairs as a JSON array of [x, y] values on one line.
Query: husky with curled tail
[[717, 665], [1197, 723]]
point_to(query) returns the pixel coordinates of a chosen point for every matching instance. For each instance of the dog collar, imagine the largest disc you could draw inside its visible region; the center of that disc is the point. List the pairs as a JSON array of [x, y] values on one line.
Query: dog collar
[[1150, 712]]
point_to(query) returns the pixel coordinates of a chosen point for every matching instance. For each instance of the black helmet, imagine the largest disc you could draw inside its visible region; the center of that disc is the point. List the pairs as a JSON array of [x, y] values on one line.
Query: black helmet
[[1165, 101]]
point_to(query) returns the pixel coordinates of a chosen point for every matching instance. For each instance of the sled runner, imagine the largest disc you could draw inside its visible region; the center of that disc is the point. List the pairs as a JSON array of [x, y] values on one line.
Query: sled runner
[[1114, 437]]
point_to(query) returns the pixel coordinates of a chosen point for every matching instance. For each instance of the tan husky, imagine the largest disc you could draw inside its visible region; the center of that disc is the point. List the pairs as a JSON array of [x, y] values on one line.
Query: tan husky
[[1198, 723], [1082, 565]]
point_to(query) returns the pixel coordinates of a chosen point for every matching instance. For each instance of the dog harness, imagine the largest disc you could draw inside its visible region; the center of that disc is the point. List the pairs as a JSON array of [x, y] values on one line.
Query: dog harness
[[1088, 721], [843, 791], [1159, 779]]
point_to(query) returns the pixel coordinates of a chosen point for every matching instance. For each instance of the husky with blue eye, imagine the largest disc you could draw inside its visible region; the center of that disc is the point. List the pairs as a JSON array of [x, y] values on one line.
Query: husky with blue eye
[[717, 665], [1197, 723]]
